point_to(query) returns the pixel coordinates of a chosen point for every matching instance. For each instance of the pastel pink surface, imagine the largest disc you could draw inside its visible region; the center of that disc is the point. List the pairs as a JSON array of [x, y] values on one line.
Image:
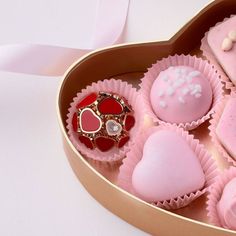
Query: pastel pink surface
[[226, 58], [165, 168], [226, 207], [226, 127], [181, 94]]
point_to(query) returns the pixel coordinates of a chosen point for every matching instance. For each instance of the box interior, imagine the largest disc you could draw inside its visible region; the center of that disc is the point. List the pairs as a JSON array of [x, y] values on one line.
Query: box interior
[[129, 62]]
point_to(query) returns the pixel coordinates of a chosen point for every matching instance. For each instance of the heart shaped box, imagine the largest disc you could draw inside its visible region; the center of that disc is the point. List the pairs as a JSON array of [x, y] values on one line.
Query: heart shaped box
[[132, 61]]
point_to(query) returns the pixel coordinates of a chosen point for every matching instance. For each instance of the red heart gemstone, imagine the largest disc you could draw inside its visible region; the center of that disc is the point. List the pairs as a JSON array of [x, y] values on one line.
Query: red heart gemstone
[[91, 98], [104, 144], [75, 122], [89, 121], [110, 106], [86, 141], [129, 122], [123, 141]]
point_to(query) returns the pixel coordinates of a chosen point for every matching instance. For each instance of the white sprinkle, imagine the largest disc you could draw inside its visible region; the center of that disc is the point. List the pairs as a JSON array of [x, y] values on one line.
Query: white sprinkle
[[164, 78], [160, 93], [185, 91], [198, 95], [178, 70], [162, 104], [194, 73], [196, 89], [182, 77], [170, 91], [189, 79], [178, 83], [183, 71], [191, 87], [181, 100]]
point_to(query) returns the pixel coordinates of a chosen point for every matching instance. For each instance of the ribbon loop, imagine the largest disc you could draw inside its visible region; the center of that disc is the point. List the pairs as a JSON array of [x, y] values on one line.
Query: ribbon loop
[[47, 60]]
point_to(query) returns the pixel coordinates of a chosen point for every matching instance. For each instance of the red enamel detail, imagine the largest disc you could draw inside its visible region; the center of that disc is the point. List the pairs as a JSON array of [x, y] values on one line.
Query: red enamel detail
[[75, 122], [86, 141], [110, 106], [88, 100], [123, 141], [89, 121], [129, 122], [104, 144]]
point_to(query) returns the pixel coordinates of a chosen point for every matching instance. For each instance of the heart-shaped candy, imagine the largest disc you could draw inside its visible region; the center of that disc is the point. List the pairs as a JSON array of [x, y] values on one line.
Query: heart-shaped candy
[[89, 121], [168, 169], [111, 106]]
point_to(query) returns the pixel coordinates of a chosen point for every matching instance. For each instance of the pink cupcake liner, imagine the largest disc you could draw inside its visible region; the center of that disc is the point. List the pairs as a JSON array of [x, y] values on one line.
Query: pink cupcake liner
[[213, 124], [207, 52], [214, 195], [134, 99], [192, 61], [135, 155]]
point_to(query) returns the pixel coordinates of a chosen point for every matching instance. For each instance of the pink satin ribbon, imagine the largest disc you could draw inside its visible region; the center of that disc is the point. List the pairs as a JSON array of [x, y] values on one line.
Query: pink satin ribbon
[[50, 60]]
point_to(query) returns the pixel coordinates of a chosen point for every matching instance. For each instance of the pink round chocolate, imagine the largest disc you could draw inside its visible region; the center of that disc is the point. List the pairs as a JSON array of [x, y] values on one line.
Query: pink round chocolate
[[226, 207], [168, 169], [181, 94]]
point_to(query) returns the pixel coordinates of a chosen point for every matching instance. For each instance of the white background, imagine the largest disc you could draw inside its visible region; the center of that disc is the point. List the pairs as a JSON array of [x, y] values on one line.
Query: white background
[[39, 194]]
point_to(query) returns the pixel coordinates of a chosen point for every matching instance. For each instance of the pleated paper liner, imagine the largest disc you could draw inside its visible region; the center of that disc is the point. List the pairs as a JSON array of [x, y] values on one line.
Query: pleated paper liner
[[214, 195], [192, 61], [133, 98], [135, 155], [208, 54], [213, 124]]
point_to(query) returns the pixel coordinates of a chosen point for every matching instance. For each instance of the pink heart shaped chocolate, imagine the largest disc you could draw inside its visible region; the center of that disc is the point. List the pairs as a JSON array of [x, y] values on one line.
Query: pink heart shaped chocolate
[[89, 121], [168, 169]]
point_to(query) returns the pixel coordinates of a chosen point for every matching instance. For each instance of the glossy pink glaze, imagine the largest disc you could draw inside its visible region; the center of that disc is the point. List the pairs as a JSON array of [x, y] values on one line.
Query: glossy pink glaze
[[226, 127], [181, 94], [215, 37], [226, 207], [169, 168]]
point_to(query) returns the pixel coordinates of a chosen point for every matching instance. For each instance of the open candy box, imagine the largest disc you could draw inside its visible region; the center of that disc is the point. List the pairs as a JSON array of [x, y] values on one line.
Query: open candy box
[[118, 70]]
